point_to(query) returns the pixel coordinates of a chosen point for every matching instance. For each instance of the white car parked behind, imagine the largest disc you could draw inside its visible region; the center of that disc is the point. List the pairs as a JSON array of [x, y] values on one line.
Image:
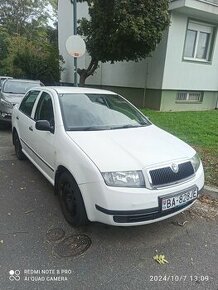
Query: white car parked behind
[[106, 160]]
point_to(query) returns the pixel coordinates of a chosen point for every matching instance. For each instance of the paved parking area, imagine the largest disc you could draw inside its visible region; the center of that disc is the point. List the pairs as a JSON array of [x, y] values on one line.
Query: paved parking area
[[118, 258]]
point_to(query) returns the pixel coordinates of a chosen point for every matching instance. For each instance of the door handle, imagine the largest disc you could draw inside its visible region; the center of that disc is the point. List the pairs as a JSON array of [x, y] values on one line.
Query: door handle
[[31, 128], [17, 118]]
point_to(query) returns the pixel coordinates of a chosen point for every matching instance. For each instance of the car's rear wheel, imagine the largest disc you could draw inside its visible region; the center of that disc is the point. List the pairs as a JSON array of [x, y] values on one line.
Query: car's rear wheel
[[71, 200], [18, 148]]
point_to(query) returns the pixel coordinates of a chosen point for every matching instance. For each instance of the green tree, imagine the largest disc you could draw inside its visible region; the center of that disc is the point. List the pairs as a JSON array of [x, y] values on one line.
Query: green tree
[[32, 59], [28, 44], [22, 16], [122, 30], [54, 4], [4, 36]]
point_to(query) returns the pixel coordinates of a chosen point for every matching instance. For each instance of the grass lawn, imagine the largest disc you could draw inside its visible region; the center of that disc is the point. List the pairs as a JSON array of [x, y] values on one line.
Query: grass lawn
[[199, 129]]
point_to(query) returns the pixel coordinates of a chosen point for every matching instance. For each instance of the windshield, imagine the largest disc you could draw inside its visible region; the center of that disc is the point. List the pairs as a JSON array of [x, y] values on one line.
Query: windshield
[[99, 112], [20, 87]]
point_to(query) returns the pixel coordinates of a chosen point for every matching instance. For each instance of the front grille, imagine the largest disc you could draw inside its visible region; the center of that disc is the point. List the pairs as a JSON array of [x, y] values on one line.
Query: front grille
[[164, 176]]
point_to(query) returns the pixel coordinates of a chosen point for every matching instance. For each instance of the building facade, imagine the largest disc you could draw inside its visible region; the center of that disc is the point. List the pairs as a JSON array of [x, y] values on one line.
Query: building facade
[[181, 74]]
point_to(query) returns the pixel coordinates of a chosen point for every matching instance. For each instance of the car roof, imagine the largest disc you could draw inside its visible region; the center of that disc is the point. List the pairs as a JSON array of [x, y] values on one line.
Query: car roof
[[84, 90], [23, 80]]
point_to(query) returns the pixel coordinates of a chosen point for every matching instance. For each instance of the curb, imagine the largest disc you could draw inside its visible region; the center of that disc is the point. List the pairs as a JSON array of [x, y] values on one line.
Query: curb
[[212, 191]]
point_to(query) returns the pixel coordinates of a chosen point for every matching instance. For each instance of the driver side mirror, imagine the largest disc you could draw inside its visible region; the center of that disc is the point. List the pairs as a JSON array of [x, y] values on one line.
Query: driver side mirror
[[44, 125]]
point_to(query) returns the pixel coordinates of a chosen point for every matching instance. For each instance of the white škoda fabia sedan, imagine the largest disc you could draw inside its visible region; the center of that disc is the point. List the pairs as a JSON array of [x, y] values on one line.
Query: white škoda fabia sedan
[[106, 160]]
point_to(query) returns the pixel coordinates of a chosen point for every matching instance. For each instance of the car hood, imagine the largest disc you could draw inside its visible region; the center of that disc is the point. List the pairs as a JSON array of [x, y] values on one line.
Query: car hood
[[13, 98], [132, 148]]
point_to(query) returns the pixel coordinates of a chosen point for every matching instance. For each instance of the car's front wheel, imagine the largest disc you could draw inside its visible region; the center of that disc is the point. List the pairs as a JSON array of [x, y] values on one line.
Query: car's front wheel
[[18, 148], [71, 200]]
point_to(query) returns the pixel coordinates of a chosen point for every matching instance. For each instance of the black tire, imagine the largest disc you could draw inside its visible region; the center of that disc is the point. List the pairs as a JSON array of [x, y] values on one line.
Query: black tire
[[18, 148], [71, 200]]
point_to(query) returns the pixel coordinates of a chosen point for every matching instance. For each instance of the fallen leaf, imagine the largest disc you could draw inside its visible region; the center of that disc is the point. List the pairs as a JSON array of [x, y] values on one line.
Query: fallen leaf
[[29, 211], [182, 224], [160, 259]]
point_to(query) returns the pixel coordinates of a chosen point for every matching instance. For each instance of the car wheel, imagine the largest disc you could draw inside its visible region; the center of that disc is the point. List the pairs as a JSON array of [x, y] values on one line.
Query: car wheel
[[71, 200], [18, 148]]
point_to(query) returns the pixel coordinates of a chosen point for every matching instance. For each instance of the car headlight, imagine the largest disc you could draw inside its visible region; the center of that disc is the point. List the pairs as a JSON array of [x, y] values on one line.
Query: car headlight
[[196, 161], [124, 178], [6, 103]]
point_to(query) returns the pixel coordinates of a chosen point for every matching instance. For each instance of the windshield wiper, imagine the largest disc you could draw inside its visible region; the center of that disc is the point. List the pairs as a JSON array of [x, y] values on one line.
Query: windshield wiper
[[126, 126], [90, 128], [99, 128]]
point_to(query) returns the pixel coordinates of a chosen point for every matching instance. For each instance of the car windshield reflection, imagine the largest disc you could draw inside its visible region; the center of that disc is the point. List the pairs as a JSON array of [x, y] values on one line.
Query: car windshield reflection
[[18, 87], [92, 112]]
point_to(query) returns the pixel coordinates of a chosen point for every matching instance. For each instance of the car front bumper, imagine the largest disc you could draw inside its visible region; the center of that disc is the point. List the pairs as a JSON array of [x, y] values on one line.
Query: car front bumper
[[5, 113], [134, 206], [146, 215]]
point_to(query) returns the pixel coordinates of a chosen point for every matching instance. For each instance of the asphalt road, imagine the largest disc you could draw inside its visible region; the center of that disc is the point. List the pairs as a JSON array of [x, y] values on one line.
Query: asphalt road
[[118, 258]]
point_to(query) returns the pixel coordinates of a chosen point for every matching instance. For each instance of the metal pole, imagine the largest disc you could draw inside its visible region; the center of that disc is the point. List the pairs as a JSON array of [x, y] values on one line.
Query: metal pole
[[74, 2]]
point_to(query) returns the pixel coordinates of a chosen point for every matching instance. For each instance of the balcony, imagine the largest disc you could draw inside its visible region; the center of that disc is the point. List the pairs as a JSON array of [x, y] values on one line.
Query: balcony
[[213, 2], [204, 9]]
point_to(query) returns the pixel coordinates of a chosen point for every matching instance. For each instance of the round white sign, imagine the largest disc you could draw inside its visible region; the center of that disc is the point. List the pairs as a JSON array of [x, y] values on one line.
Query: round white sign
[[75, 46]]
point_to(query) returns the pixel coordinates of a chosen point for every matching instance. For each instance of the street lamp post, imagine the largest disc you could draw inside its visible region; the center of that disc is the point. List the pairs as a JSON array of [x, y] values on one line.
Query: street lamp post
[[74, 2]]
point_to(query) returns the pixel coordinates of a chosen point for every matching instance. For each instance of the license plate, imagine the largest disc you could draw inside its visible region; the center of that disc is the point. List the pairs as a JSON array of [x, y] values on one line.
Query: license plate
[[178, 199]]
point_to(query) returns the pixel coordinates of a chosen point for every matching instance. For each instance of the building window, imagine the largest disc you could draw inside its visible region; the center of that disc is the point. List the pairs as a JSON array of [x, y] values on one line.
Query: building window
[[191, 97], [199, 41]]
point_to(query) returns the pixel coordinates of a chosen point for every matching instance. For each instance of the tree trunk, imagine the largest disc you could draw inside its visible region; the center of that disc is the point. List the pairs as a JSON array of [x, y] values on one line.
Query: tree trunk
[[85, 73], [83, 76]]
